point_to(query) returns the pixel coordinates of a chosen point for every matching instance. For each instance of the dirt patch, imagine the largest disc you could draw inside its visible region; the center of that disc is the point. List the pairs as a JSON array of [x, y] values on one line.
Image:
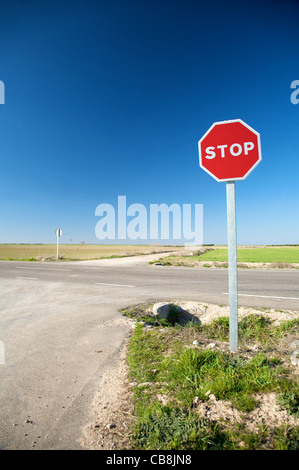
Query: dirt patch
[[135, 259], [208, 312], [267, 413]]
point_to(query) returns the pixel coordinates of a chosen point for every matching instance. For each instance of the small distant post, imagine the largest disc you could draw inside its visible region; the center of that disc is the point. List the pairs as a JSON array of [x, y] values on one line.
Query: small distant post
[[58, 235], [2, 92]]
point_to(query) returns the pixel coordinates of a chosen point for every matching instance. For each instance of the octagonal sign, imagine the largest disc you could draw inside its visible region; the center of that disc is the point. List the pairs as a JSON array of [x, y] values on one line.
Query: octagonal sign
[[229, 150]]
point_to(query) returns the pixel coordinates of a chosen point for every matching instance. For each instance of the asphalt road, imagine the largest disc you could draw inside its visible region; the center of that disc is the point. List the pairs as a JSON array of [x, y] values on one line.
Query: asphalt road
[[62, 330], [276, 288]]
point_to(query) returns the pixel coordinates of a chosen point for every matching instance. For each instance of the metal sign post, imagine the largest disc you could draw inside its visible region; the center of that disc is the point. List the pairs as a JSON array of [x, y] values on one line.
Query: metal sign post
[[58, 234], [232, 265]]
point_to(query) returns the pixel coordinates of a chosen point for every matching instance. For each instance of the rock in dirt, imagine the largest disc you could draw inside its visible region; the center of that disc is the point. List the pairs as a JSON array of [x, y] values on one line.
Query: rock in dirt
[[161, 309]]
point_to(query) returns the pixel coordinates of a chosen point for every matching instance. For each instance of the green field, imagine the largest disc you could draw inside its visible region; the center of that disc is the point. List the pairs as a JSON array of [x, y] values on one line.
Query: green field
[[27, 252], [34, 252], [273, 256], [278, 254]]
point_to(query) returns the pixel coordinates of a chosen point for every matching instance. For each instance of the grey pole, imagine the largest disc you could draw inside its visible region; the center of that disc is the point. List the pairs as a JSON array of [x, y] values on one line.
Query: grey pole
[[57, 246], [232, 265]]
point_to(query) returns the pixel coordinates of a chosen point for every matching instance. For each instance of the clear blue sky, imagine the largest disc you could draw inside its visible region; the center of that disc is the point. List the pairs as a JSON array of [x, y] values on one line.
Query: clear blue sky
[[110, 97]]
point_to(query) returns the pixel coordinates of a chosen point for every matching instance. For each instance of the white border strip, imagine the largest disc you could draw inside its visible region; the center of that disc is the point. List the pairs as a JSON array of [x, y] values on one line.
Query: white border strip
[[43, 269], [113, 285], [266, 296]]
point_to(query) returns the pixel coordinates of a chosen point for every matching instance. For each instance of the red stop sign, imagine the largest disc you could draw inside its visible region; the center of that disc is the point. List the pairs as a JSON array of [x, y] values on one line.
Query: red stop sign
[[229, 150]]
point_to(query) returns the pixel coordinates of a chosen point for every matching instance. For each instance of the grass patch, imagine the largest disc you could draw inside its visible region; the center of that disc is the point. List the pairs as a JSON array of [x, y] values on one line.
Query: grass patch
[[198, 371], [289, 399], [172, 378], [170, 428], [255, 255], [277, 257]]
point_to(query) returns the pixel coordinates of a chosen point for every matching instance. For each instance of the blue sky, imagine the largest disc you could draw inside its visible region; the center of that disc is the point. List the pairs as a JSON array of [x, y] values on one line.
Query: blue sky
[[110, 97]]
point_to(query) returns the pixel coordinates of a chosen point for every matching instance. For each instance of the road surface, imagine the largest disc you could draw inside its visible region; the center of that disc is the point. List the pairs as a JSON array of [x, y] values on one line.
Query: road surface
[[61, 329]]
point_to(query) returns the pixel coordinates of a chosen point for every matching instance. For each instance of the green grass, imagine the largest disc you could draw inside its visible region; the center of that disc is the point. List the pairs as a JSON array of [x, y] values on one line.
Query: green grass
[[167, 428], [255, 255], [165, 363], [198, 371], [277, 256]]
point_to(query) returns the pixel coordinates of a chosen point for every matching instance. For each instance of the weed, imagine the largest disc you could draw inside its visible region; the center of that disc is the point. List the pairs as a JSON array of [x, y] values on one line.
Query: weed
[[286, 438], [176, 429], [287, 327], [217, 329], [255, 328], [174, 314], [289, 400]]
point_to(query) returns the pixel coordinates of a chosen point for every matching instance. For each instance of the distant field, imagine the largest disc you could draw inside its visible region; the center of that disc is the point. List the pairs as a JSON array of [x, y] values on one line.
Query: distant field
[[76, 252], [278, 254]]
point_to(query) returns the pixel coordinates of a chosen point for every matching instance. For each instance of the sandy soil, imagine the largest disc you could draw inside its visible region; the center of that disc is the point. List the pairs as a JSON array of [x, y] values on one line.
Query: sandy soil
[[128, 260], [267, 412], [113, 411]]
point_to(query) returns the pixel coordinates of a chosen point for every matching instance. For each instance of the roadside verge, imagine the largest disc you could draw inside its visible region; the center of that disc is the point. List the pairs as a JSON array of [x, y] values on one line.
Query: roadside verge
[[177, 386]]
